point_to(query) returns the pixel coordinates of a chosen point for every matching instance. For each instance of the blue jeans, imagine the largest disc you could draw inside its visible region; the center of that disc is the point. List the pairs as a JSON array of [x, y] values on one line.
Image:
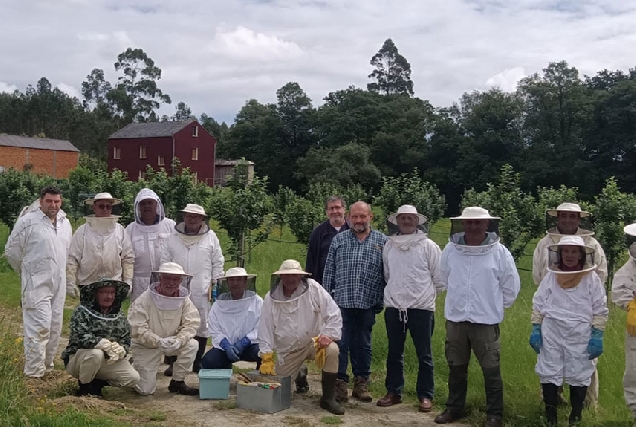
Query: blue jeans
[[217, 359], [357, 324], [420, 324]]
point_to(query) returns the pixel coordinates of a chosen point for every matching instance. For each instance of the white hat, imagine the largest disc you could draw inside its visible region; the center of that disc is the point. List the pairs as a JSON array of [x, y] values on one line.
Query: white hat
[[194, 209], [407, 209], [172, 268], [102, 196], [237, 272], [572, 240], [475, 212], [630, 229], [567, 207], [291, 266]]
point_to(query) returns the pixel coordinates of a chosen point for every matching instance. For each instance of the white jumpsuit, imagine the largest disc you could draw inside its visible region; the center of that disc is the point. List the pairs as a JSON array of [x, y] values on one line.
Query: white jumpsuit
[[153, 316], [567, 317], [146, 243], [235, 319], [100, 249], [37, 249], [201, 257], [623, 288]]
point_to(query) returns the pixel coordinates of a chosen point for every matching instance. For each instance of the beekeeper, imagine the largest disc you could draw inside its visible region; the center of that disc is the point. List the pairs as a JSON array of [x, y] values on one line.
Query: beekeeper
[[413, 277], [482, 280], [195, 247], [37, 249], [233, 321], [569, 219], [99, 342], [300, 321], [100, 249], [624, 295], [568, 319], [163, 321], [146, 233]]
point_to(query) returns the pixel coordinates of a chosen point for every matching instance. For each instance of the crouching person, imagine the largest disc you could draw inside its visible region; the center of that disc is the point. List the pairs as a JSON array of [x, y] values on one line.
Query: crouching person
[[99, 341], [233, 321], [163, 322], [300, 321]]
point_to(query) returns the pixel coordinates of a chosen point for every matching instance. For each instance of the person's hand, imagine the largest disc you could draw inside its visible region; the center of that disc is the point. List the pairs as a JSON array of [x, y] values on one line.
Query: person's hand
[[595, 345], [536, 340], [104, 345], [631, 318], [230, 351], [242, 344], [115, 353], [267, 364], [323, 341], [169, 345], [72, 290]]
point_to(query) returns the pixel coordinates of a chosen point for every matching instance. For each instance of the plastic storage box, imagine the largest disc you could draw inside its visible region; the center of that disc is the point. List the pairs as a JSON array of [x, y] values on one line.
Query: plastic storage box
[[214, 383], [264, 400]]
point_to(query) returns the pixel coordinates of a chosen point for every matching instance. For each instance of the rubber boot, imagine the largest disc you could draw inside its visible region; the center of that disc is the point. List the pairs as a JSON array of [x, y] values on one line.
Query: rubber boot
[[97, 386], [328, 399], [551, 400], [84, 389], [182, 388], [302, 386], [171, 360], [361, 390], [196, 365], [577, 400]]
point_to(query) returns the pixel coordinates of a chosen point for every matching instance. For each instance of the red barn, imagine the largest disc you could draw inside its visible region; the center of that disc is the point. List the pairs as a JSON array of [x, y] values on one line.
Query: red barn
[[134, 147]]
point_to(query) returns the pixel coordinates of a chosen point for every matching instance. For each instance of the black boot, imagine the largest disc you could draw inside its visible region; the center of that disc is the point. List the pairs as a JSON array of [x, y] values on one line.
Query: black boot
[[84, 389], [171, 360], [196, 366], [577, 399], [182, 388], [97, 386], [551, 399], [302, 386], [328, 399]]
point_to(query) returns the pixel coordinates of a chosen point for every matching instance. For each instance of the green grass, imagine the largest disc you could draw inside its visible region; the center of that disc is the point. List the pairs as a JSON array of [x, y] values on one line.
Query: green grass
[[523, 407], [331, 419]]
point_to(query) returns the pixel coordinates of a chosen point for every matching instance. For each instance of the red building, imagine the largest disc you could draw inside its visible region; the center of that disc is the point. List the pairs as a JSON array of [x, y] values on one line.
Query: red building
[[134, 147]]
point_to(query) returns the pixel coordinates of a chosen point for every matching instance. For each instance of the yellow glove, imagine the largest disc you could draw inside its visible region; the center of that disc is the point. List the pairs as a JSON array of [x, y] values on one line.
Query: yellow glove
[[267, 364], [321, 354], [631, 318]]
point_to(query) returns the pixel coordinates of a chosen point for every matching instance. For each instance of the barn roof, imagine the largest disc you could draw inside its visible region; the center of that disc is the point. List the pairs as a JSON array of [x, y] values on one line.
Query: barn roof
[[40, 143], [150, 130]]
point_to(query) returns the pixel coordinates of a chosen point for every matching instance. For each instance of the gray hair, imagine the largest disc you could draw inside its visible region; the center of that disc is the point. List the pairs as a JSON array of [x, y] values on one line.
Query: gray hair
[[332, 199]]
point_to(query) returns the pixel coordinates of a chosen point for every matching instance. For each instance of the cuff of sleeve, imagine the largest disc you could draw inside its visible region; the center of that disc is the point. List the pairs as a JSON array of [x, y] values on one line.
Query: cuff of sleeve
[[599, 322], [536, 317]]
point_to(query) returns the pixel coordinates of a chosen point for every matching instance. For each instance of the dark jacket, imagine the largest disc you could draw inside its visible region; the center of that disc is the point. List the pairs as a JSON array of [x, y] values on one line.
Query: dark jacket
[[319, 243], [88, 325]]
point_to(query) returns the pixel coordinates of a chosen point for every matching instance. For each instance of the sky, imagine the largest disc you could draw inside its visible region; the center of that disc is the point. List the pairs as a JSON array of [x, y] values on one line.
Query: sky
[[215, 55]]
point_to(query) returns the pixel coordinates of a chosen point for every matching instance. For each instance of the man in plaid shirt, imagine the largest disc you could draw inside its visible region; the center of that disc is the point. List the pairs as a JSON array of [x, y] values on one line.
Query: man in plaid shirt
[[355, 278]]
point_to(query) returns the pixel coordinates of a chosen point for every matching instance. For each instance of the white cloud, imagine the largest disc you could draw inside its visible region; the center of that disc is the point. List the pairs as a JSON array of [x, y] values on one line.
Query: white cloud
[[5, 87], [507, 80], [217, 54], [69, 90]]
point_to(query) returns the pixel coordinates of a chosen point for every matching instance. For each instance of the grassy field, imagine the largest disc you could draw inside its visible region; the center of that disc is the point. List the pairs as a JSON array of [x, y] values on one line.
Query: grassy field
[[523, 405]]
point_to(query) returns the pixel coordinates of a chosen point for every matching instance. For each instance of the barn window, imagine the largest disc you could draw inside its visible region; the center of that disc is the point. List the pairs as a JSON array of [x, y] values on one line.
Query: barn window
[[195, 131], [141, 175], [142, 151], [116, 153], [161, 160], [195, 153]]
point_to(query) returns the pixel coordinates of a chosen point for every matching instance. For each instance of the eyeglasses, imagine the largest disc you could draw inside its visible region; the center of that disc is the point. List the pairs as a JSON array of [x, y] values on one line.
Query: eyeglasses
[[105, 207]]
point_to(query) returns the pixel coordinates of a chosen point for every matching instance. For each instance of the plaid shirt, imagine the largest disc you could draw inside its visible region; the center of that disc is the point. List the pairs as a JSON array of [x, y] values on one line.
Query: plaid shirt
[[353, 274]]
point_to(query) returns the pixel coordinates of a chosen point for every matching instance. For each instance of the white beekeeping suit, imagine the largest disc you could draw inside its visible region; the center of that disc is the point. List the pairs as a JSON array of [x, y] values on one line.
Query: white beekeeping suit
[[37, 249], [146, 241], [201, 256], [100, 249], [624, 295]]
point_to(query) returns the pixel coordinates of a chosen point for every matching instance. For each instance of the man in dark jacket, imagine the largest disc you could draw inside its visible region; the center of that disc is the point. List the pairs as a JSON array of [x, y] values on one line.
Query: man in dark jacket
[[321, 237], [100, 339]]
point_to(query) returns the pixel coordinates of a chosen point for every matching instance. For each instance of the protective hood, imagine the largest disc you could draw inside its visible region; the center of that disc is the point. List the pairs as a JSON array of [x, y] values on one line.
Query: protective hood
[[102, 225], [31, 208], [168, 303], [145, 194], [489, 242], [180, 227], [276, 289], [555, 235], [89, 301], [630, 239], [407, 241]]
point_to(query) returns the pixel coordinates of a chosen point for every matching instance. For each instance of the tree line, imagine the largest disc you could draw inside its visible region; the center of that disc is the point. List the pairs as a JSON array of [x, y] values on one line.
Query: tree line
[[556, 128]]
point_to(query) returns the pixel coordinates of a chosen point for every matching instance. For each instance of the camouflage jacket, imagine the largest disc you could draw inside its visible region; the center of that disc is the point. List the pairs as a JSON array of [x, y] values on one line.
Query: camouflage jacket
[[88, 325]]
